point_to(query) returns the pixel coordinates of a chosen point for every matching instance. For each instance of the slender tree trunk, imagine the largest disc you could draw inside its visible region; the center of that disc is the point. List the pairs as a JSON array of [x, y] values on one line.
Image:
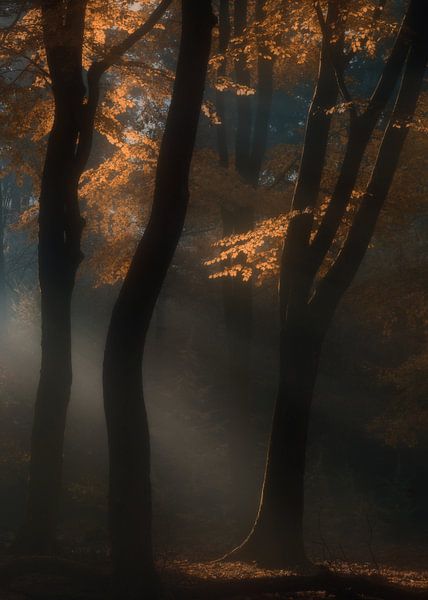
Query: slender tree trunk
[[58, 264], [3, 316], [128, 435], [264, 96], [224, 38], [60, 229], [334, 284]]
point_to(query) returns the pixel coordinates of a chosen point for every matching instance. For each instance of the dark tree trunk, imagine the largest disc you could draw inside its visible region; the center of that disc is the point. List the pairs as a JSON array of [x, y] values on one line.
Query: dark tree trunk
[[60, 229], [277, 536], [224, 38], [128, 435], [265, 65], [3, 222], [244, 113]]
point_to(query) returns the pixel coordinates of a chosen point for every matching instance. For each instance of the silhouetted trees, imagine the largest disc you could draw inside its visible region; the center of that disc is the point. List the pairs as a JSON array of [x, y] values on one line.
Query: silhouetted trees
[[128, 434], [60, 231]]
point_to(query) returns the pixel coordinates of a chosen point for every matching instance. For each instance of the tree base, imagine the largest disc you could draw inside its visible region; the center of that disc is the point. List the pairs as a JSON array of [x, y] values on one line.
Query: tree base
[[270, 553]]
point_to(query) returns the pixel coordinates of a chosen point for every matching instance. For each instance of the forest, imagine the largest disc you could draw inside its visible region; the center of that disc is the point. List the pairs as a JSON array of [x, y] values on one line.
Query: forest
[[213, 299]]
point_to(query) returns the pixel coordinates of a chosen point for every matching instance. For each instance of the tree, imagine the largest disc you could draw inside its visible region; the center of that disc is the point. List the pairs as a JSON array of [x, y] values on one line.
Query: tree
[[60, 231], [4, 210], [9, 208], [307, 298], [128, 435]]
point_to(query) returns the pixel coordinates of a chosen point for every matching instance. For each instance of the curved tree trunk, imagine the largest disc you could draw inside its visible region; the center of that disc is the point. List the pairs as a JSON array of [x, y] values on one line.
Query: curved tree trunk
[[128, 435]]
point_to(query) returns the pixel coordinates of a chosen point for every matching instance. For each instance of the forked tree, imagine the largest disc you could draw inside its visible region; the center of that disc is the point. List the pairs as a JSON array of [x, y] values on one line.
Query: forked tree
[[308, 299]]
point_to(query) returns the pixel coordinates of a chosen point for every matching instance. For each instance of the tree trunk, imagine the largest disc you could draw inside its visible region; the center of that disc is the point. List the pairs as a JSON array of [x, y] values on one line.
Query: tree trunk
[[60, 228], [3, 222], [224, 38], [277, 536], [59, 257], [265, 64], [128, 435]]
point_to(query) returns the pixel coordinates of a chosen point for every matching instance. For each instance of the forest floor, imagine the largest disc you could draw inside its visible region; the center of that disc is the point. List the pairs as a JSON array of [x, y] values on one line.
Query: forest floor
[[64, 579], [189, 524]]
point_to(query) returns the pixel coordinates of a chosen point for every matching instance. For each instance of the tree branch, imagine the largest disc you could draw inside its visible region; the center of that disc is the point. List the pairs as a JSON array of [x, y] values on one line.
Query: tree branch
[[394, 63], [119, 50], [41, 70], [339, 277], [335, 62], [95, 73], [360, 132]]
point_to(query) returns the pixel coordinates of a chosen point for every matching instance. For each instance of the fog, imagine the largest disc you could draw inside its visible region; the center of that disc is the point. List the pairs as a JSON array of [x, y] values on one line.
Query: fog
[[365, 499]]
